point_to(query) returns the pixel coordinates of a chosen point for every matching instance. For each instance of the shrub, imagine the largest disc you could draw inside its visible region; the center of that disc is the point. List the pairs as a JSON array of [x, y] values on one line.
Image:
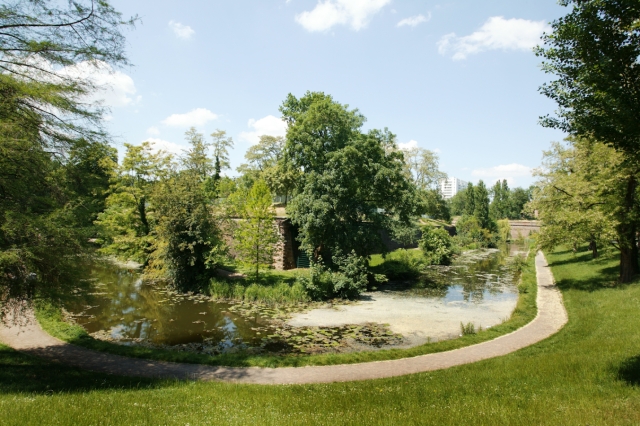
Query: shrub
[[470, 233], [504, 230], [350, 278], [436, 245], [401, 265]]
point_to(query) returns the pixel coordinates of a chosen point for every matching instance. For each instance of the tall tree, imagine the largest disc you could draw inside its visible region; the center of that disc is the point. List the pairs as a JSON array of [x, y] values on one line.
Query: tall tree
[[481, 206], [44, 114], [353, 184], [594, 50], [126, 224], [579, 194], [500, 202], [470, 205], [221, 143], [265, 161], [188, 243], [257, 234]]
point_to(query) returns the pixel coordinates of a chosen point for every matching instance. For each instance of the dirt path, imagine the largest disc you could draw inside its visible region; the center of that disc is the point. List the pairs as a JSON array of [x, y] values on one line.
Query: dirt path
[[551, 317]]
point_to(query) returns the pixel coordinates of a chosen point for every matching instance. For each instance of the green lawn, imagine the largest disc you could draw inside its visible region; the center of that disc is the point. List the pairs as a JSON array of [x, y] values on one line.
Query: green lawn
[[589, 373]]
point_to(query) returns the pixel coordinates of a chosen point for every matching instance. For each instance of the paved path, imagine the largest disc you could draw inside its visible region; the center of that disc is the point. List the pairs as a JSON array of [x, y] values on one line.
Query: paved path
[[551, 318]]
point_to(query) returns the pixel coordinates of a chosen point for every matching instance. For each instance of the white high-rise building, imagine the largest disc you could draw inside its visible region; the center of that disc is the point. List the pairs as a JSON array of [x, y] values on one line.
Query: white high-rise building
[[451, 186]]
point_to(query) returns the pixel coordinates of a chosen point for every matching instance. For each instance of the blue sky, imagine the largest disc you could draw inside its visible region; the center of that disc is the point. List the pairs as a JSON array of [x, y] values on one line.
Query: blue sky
[[458, 77]]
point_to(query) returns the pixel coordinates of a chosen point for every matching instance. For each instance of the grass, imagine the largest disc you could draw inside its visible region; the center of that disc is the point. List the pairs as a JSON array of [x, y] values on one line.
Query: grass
[[588, 373], [51, 321]]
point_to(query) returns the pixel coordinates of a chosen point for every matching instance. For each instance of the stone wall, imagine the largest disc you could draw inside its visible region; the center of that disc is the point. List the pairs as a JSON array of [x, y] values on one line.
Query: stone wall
[[285, 255], [523, 228]]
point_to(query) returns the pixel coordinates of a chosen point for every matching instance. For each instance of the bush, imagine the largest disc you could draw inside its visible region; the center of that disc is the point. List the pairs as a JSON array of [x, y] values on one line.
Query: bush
[[401, 265], [436, 245], [471, 234], [347, 282], [504, 230]]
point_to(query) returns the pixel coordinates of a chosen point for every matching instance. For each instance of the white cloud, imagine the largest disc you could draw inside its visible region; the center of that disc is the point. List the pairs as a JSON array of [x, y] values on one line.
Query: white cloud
[[504, 171], [408, 145], [162, 145], [414, 21], [497, 33], [327, 13], [269, 125], [181, 31], [154, 131], [196, 117], [114, 88]]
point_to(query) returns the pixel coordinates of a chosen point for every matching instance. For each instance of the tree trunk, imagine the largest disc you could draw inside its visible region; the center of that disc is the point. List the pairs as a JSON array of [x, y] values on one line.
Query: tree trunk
[[142, 211], [593, 246], [627, 235]]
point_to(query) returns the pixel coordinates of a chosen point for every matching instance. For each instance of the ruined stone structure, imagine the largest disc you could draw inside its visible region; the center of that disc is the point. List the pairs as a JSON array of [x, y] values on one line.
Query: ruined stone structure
[[523, 228], [287, 250]]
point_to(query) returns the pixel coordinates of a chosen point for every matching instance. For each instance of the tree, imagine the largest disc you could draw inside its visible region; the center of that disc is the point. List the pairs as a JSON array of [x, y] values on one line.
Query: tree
[[579, 194], [220, 144], [40, 41], [458, 203], [500, 207], [265, 161], [257, 234], [481, 206], [188, 244], [422, 167], [353, 184], [594, 51], [45, 119], [125, 226], [470, 202]]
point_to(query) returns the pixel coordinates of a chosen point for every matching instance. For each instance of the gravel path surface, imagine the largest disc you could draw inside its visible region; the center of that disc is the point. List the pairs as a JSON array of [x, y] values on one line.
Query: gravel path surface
[[551, 318]]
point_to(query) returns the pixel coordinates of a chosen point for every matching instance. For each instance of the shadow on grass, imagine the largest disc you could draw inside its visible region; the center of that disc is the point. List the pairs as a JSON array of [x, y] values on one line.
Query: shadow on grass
[[21, 373], [607, 278], [629, 371]]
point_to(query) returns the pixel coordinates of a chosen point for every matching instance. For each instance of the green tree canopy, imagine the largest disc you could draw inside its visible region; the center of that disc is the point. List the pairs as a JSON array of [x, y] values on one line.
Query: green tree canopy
[[353, 184], [257, 233]]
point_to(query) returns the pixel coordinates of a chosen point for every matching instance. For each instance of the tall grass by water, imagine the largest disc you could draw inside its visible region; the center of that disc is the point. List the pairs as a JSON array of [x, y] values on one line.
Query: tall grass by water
[[588, 373]]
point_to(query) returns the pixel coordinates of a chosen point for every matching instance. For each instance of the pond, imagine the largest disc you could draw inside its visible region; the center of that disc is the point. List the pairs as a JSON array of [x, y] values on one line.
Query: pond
[[121, 308]]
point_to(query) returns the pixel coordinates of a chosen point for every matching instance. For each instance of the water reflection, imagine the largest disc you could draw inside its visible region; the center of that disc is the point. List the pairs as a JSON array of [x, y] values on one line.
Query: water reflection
[[120, 306]]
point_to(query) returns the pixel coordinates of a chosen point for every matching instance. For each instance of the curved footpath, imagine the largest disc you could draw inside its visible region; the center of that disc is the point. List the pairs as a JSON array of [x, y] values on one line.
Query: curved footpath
[[551, 318]]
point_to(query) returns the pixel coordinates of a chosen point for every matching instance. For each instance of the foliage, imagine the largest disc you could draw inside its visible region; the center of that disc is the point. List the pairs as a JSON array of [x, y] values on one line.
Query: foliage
[[51, 141], [579, 194], [481, 206], [400, 264], [265, 161], [353, 184], [187, 245], [435, 206], [257, 235], [422, 167], [220, 145], [593, 50], [471, 234], [282, 293], [346, 282], [466, 329], [436, 246], [126, 224], [504, 229]]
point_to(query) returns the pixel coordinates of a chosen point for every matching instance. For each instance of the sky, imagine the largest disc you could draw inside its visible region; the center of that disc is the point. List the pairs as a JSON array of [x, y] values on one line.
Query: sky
[[458, 77]]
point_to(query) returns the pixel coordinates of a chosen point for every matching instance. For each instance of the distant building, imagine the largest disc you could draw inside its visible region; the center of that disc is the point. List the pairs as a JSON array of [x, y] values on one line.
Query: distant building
[[451, 186]]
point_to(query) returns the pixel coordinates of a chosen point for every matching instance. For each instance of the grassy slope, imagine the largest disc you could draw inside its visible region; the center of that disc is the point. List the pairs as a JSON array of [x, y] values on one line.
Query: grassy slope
[[589, 373], [525, 311]]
